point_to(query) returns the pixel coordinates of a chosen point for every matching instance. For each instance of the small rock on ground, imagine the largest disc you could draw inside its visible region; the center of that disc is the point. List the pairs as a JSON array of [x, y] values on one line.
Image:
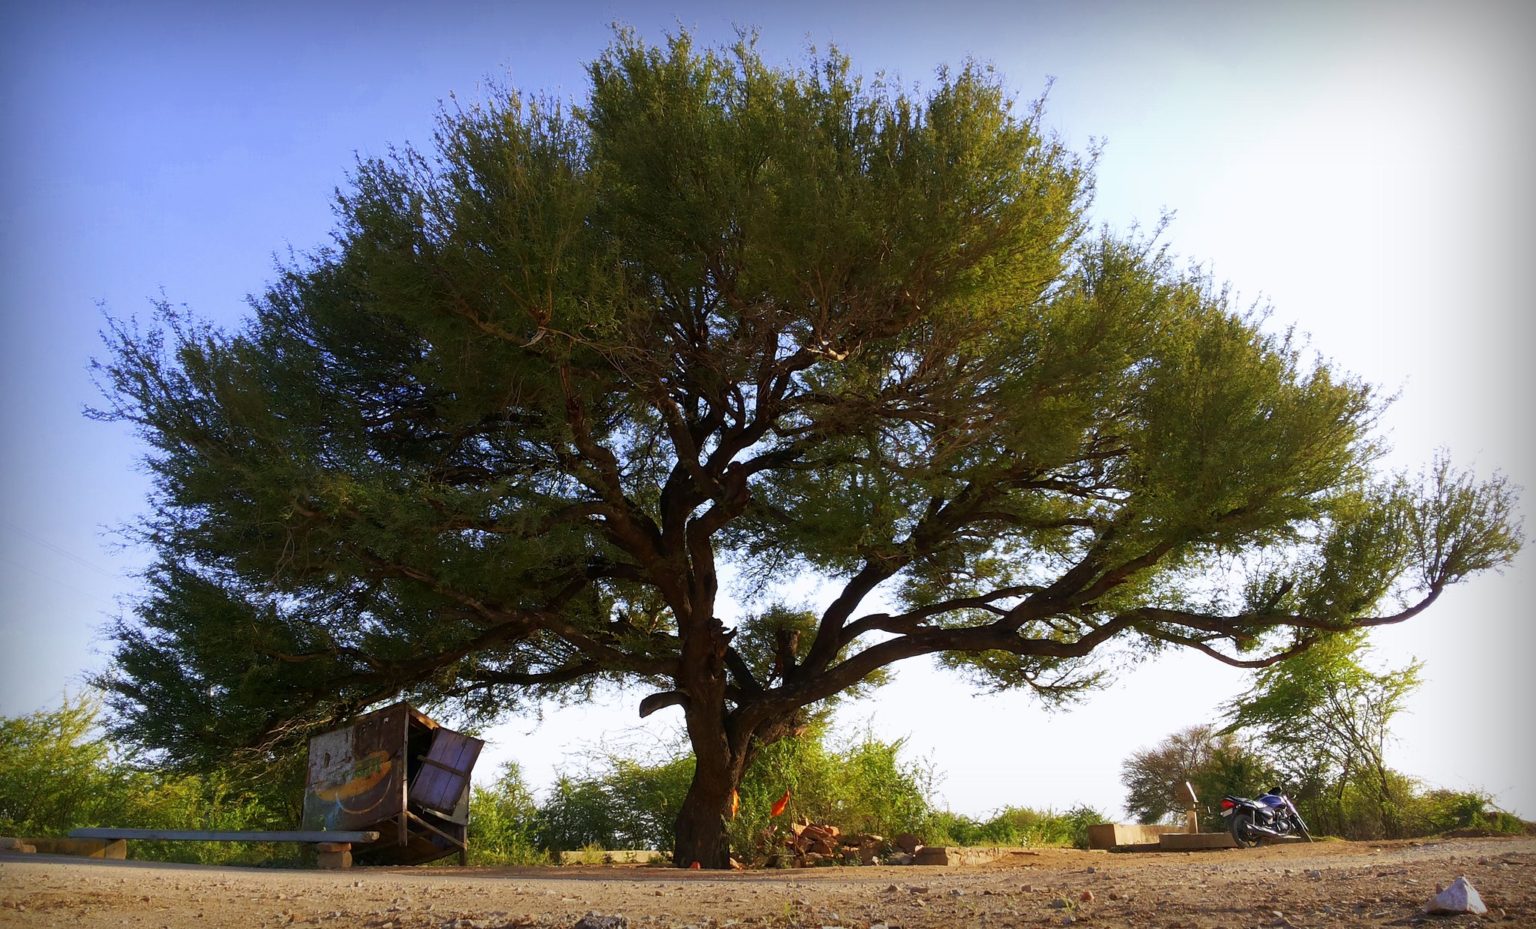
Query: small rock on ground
[[1460, 897]]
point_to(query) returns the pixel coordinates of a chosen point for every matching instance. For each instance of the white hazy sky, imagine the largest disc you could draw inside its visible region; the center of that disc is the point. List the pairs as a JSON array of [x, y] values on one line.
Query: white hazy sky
[[1363, 167]]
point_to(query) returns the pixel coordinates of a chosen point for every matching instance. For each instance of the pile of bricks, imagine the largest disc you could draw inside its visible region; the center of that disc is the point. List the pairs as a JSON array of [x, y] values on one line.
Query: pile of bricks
[[810, 844]]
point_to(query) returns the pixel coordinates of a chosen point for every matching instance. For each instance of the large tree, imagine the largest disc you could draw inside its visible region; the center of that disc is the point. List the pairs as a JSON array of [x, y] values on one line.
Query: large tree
[[566, 374]]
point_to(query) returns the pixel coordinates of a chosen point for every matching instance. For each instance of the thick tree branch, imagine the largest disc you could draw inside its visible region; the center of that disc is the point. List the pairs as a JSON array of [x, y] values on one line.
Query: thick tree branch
[[1241, 624], [911, 620], [990, 637]]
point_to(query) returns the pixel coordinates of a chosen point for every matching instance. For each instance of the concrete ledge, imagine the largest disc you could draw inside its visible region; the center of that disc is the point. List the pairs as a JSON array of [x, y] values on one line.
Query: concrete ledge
[[615, 856], [116, 849], [1113, 835], [220, 835], [950, 856], [1187, 842]]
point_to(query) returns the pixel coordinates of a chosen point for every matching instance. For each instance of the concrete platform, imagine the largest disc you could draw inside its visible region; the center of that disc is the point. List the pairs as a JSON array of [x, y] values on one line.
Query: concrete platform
[[1116, 835], [612, 856], [950, 856], [1189, 842], [87, 848]]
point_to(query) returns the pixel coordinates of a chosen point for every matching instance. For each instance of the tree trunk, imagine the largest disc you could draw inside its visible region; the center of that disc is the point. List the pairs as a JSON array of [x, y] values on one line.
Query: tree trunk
[[1391, 813], [718, 765], [701, 823], [719, 760], [723, 746]]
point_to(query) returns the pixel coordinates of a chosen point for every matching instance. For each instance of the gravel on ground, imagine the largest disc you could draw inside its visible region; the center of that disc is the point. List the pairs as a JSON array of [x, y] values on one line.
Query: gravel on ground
[[1325, 884]]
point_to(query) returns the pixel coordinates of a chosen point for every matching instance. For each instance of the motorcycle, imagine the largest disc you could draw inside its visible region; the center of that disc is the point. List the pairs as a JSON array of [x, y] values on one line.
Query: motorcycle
[[1268, 816]]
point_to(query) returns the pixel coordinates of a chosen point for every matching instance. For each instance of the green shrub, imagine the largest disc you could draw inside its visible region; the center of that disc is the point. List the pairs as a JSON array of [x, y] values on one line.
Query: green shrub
[[1354, 809], [576, 814], [1013, 826], [866, 788], [1437, 811], [504, 822], [58, 773], [54, 774], [879, 792], [624, 802], [645, 799], [618, 803], [1359, 807]]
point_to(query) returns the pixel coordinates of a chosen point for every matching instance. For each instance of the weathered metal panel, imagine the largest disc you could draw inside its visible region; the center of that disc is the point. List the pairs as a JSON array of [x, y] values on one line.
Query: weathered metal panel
[[444, 774], [398, 772], [357, 775]]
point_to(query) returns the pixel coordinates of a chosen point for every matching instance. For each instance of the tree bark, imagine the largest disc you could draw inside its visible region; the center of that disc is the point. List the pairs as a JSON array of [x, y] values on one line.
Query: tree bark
[[719, 759], [701, 823], [719, 763]]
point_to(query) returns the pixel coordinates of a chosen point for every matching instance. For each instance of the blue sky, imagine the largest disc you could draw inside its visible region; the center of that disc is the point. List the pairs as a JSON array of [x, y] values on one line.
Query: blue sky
[[1363, 167]]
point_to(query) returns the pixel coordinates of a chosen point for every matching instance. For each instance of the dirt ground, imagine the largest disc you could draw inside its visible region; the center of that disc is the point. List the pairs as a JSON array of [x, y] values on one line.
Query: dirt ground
[[1323, 884]]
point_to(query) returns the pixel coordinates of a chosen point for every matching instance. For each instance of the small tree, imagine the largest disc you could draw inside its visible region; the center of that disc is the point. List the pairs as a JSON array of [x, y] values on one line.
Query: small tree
[[56, 771], [504, 821], [1213, 762], [1325, 720], [501, 441]]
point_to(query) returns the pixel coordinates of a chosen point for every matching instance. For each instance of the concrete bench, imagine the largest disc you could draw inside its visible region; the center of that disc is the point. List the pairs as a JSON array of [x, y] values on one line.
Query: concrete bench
[[334, 849]]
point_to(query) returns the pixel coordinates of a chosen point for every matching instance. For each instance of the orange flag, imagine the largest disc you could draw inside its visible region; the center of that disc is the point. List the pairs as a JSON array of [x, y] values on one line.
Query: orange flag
[[779, 805], [735, 803]]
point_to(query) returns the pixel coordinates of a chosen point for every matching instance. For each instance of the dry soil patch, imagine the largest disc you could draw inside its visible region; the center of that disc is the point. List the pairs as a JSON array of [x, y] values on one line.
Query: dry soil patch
[[1321, 885]]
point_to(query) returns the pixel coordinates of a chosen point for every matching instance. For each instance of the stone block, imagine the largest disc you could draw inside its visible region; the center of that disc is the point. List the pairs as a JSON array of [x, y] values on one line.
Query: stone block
[[1116, 835], [938, 855], [333, 856], [952, 856], [116, 849], [1189, 842], [589, 856]]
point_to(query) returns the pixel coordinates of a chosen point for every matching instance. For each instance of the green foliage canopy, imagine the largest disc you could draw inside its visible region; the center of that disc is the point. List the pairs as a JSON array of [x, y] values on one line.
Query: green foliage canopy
[[52, 770], [498, 442]]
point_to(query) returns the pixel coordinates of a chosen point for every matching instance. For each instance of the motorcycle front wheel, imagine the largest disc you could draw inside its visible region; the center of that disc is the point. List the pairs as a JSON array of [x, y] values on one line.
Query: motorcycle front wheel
[[1242, 830]]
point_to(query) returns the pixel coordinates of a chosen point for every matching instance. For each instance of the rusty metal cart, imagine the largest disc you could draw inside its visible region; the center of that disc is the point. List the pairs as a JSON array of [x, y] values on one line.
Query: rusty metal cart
[[398, 772]]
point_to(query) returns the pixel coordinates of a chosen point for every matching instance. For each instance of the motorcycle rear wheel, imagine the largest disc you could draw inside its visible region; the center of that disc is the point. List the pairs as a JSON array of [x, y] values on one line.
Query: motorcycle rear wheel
[[1242, 830]]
